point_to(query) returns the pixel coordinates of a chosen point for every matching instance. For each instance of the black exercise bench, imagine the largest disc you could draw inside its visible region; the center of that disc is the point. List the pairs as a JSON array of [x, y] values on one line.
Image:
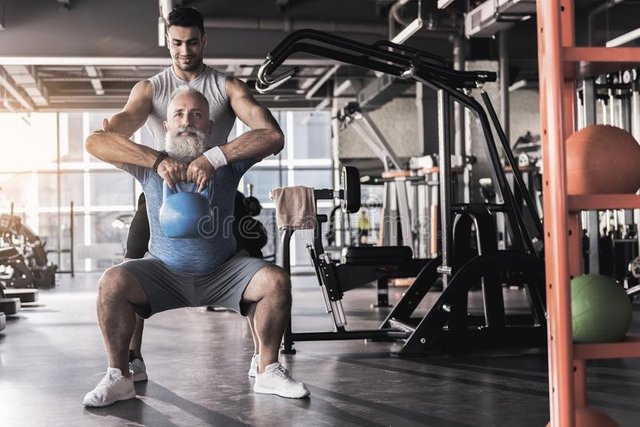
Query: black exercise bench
[[359, 267]]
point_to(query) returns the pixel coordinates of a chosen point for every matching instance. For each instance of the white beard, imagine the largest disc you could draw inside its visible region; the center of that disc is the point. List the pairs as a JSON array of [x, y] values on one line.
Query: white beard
[[185, 148]]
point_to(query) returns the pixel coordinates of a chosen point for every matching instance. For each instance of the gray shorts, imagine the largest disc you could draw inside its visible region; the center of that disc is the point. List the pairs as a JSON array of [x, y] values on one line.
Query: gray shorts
[[167, 290]]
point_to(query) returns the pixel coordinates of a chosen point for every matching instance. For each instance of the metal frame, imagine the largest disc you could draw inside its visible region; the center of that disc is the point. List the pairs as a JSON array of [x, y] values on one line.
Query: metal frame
[[330, 276], [452, 85]]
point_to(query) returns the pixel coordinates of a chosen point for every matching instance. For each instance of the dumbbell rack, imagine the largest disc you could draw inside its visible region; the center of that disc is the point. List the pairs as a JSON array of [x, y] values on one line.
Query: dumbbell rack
[[560, 64]]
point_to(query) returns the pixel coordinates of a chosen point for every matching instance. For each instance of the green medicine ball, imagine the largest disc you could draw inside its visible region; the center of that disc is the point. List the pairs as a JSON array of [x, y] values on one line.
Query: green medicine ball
[[601, 310]]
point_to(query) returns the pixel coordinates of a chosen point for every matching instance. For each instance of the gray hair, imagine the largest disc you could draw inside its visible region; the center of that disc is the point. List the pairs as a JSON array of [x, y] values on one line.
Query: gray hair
[[188, 89]]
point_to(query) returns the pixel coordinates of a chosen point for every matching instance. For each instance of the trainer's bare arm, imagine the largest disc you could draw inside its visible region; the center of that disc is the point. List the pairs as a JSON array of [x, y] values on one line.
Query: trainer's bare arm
[[264, 138], [135, 112]]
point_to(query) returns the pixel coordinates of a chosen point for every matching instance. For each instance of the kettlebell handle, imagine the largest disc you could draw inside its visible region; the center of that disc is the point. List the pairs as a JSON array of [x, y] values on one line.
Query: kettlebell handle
[[167, 191]]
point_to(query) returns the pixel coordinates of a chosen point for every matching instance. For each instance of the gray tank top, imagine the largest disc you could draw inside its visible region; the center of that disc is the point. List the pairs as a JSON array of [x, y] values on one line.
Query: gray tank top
[[211, 83]]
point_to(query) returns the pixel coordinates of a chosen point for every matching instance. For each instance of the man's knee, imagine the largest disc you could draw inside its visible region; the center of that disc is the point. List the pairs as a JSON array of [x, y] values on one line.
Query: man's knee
[[116, 283], [270, 282], [274, 281], [279, 282]]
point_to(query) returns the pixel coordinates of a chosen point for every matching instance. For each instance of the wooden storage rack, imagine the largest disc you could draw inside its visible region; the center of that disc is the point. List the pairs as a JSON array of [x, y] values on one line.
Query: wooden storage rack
[[560, 64]]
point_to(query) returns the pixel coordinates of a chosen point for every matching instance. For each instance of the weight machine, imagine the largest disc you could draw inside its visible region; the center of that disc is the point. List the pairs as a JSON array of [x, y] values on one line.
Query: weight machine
[[360, 266], [396, 209], [610, 237], [469, 255], [23, 258]]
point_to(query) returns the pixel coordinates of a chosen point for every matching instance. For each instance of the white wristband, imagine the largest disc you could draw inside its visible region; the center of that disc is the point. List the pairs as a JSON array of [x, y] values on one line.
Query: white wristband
[[216, 157]]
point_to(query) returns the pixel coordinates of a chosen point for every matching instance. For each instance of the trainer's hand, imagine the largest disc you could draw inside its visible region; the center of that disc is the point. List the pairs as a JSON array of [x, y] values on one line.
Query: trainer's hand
[[199, 171], [172, 171]]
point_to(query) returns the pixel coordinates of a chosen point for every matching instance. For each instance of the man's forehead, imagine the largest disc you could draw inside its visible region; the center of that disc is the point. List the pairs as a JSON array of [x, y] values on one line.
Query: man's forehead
[[183, 33], [187, 100]]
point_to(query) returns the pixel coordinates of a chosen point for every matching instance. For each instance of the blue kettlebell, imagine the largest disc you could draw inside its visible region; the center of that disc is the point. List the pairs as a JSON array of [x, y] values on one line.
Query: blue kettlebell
[[183, 212]]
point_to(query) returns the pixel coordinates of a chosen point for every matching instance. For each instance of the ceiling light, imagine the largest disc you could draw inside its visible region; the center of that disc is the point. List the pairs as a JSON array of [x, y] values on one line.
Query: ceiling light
[[624, 39], [408, 31]]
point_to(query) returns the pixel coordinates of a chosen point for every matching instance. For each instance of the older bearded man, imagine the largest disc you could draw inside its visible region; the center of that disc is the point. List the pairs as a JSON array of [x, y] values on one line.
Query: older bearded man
[[189, 272], [185, 144]]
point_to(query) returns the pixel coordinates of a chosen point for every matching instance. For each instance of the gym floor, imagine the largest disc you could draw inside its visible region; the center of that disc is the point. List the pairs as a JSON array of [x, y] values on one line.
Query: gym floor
[[52, 354]]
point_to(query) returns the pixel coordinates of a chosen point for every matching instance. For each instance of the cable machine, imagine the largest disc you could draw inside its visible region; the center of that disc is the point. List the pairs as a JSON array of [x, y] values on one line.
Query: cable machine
[[469, 254]]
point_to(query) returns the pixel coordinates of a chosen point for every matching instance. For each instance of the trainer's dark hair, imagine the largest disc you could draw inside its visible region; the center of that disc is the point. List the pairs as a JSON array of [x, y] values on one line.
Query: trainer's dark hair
[[186, 17]]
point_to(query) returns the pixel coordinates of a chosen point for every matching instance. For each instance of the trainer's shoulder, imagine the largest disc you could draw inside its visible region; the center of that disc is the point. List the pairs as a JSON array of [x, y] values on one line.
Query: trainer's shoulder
[[216, 72], [163, 78]]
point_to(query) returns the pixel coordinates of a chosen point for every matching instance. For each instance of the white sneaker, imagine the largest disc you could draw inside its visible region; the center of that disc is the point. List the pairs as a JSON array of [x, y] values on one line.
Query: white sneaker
[[138, 370], [113, 387], [276, 380], [253, 369]]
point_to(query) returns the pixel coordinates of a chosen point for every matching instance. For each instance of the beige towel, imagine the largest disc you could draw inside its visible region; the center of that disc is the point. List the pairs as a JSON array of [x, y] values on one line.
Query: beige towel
[[295, 208]]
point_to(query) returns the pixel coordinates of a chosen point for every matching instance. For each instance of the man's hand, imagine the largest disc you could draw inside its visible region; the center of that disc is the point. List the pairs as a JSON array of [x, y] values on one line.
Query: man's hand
[[172, 171], [199, 171]]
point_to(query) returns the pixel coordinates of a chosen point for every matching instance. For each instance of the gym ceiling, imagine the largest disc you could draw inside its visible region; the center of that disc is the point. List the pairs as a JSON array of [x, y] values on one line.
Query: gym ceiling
[[62, 55]]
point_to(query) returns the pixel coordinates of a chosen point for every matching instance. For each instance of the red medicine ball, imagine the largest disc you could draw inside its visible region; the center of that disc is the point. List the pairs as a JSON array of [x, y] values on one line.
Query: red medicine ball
[[602, 159]]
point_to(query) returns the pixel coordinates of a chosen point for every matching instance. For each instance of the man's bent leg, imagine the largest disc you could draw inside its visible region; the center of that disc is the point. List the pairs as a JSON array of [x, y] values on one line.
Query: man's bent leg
[[135, 345], [137, 244], [253, 368], [119, 291], [270, 290], [136, 362]]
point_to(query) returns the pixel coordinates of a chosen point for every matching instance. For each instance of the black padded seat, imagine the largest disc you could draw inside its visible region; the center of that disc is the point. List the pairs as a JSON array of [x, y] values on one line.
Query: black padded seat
[[9, 306], [24, 295], [376, 255]]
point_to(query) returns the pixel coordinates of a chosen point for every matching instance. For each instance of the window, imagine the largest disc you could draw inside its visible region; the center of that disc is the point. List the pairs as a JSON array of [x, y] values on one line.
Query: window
[[315, 178], [72, 188], [72, 147], [263, 181], [16, 189], [311, 135], [112, 188]]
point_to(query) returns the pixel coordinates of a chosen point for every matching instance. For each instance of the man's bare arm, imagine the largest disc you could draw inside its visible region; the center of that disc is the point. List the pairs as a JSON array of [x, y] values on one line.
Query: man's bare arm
[[117, 149], [135, 112], [264, 138]]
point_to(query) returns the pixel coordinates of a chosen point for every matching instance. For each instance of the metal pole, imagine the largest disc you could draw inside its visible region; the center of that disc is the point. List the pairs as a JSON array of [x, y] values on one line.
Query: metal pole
[[444, 138], [59, 190], [381, 141], [459, 119], [503, 49], [593, 229]]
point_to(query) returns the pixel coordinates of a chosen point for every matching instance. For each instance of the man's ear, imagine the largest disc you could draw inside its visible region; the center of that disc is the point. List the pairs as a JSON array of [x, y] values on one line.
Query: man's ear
[[164, 126], [204, 40], [210, 127]]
